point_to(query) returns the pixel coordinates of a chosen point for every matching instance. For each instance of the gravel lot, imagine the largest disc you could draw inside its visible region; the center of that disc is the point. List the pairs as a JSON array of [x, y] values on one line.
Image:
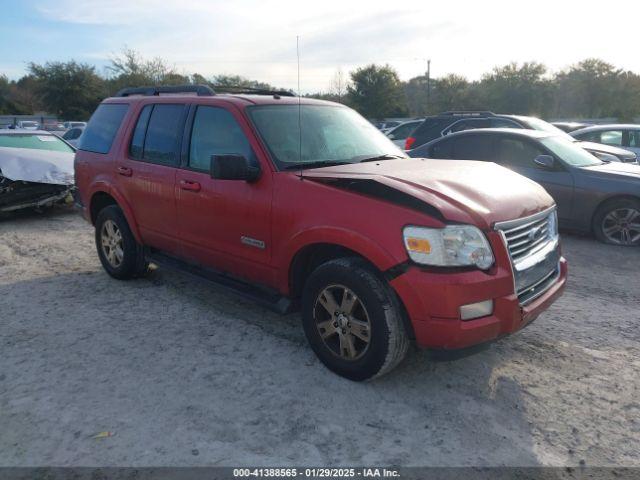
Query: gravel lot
[[183, 374]]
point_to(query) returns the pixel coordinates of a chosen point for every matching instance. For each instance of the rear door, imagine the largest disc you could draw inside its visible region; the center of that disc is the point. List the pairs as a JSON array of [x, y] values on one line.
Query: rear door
[[518, 154], [225, 224], [147, 172]]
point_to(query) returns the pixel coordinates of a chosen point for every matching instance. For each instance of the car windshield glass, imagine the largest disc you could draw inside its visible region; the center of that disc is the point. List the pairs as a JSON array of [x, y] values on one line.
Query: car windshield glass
[[537, 124], [39, 142], [570, 152], [329, 134]]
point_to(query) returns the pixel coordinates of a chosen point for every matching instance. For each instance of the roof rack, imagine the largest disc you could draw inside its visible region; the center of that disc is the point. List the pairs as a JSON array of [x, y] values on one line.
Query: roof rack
[[468, 112], [200, 90], [253, 91]]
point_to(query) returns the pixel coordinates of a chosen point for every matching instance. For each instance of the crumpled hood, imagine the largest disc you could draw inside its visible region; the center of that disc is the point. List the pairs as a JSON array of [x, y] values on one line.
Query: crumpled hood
[[40, 166], [479, 193]]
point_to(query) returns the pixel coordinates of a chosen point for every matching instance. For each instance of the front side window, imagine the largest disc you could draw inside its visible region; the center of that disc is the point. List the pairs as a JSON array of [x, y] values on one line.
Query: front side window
[[72, 134], [441, 149], [216, 132], [611, 137], [102, 128], [298, 136], [515, 152]]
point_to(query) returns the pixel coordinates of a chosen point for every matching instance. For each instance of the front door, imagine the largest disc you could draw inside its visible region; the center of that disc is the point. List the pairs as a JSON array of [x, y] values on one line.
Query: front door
[[518, 154], [225, 224]]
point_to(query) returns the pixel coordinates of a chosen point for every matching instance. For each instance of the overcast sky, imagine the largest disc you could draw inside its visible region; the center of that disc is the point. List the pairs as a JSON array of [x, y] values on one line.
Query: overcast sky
[[257, 39]]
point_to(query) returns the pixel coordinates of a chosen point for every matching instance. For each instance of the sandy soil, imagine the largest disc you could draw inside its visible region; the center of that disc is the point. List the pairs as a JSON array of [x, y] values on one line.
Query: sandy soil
[[182, 373]]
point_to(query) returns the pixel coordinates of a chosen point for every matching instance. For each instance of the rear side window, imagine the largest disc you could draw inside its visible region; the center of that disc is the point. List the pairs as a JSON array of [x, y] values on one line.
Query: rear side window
[[472, 147], [156, 134], [102, 128], [216, 132]]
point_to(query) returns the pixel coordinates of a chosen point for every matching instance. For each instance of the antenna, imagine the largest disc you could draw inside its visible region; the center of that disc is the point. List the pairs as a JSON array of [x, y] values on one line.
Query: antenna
[[299, 107]]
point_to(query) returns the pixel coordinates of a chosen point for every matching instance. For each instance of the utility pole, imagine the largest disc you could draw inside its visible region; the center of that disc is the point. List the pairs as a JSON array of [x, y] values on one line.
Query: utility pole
[[428, 85]]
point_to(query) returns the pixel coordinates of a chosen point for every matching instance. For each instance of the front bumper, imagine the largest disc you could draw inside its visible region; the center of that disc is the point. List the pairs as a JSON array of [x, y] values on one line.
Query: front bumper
[[433, 300]]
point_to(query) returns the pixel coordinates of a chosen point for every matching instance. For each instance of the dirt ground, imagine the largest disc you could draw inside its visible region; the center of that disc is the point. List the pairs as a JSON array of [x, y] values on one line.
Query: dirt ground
[[182, 373]]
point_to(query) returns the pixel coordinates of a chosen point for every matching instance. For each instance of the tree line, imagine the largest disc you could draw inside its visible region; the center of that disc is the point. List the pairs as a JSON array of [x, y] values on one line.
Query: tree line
[[591, 88]]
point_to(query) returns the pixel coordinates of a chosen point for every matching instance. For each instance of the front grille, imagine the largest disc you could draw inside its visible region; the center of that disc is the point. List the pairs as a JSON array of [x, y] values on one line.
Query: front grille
[[533, 246], [525, 239]]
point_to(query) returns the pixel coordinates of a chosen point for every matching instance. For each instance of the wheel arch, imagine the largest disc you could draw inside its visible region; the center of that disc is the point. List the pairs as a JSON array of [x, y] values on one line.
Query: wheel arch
[[610, 199], [104, 197]]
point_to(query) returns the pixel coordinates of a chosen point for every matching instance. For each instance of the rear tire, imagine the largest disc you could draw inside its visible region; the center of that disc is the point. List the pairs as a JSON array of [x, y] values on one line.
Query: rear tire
[[353, 320], [121, 256], [617, 222]]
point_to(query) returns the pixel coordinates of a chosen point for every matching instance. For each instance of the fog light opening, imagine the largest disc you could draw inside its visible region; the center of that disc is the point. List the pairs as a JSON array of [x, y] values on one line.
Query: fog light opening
[[476, 310]]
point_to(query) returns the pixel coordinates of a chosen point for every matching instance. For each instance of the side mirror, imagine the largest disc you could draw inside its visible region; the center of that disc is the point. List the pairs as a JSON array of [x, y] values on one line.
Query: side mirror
[[545, 161], [233, 167]]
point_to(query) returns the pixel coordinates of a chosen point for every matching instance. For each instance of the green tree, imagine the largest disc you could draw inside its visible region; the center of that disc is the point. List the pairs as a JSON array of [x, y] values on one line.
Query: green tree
[[588, 89], [70, 90], [520, 89], [130, 69], [376, 92]]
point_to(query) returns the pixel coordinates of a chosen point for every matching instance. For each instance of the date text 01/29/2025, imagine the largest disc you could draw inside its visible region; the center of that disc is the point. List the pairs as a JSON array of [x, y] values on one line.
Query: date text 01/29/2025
[[315, 472]]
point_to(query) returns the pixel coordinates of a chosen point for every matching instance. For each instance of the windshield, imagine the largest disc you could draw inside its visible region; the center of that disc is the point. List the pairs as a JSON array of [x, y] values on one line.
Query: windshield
[[569, 152], [39, 142], [330, 134]]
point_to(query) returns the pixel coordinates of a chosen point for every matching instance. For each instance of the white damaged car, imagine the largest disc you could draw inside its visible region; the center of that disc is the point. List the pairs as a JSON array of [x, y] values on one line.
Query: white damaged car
[[36, 169]]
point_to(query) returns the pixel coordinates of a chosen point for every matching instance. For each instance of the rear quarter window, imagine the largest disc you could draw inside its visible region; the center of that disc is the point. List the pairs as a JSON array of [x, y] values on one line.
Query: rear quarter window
[[102, 128]]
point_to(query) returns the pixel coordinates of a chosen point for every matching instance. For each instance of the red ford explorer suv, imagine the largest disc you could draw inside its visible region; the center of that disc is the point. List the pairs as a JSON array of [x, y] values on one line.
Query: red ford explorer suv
[[303, 205]]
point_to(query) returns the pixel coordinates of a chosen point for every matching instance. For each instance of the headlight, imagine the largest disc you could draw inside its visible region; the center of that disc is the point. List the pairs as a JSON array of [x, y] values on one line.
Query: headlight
[[452, 246]]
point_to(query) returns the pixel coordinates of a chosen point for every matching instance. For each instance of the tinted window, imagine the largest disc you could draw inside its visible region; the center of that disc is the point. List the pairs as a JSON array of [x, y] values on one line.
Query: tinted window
[[503, 123], [102, 127], [137, 141], [467, 125], [515, 152], [611, 137], [589, 137], [162, 134], [430, 129], [216, 132], [472, 147], [441, 149], [634, 138], [72, 134]]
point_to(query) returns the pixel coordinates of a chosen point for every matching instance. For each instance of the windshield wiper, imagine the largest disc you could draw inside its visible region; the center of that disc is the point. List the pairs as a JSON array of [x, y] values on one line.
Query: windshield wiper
[[384, 156], [317, 164]]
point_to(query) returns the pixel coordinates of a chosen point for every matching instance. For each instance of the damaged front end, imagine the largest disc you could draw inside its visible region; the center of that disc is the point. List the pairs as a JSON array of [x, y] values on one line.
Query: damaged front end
[[34, 178]]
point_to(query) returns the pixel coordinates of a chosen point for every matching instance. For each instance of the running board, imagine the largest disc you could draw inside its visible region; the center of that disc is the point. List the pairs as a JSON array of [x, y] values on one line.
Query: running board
[[261, 295]]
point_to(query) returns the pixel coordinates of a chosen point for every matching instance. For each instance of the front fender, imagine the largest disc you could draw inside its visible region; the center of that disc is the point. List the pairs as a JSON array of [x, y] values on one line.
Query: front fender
[[382, 258]]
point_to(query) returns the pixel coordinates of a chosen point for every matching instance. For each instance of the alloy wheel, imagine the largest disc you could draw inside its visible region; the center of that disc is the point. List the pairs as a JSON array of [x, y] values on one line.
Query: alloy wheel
[[112, 245], [342, 322], [622, 226]]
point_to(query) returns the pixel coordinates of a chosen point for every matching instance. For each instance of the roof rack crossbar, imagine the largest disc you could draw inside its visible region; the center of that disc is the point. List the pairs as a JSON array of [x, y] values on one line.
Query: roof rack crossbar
[[252, 90], [468, 112], [200, 90]]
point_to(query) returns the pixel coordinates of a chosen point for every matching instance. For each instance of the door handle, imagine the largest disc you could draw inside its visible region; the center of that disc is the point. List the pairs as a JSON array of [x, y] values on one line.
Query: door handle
[[124, 171], [189, 185]]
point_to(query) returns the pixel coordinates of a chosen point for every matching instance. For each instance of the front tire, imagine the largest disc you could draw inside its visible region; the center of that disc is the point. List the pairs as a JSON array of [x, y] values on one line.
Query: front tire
[[618, 222], [121, 256], [353, 320]]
